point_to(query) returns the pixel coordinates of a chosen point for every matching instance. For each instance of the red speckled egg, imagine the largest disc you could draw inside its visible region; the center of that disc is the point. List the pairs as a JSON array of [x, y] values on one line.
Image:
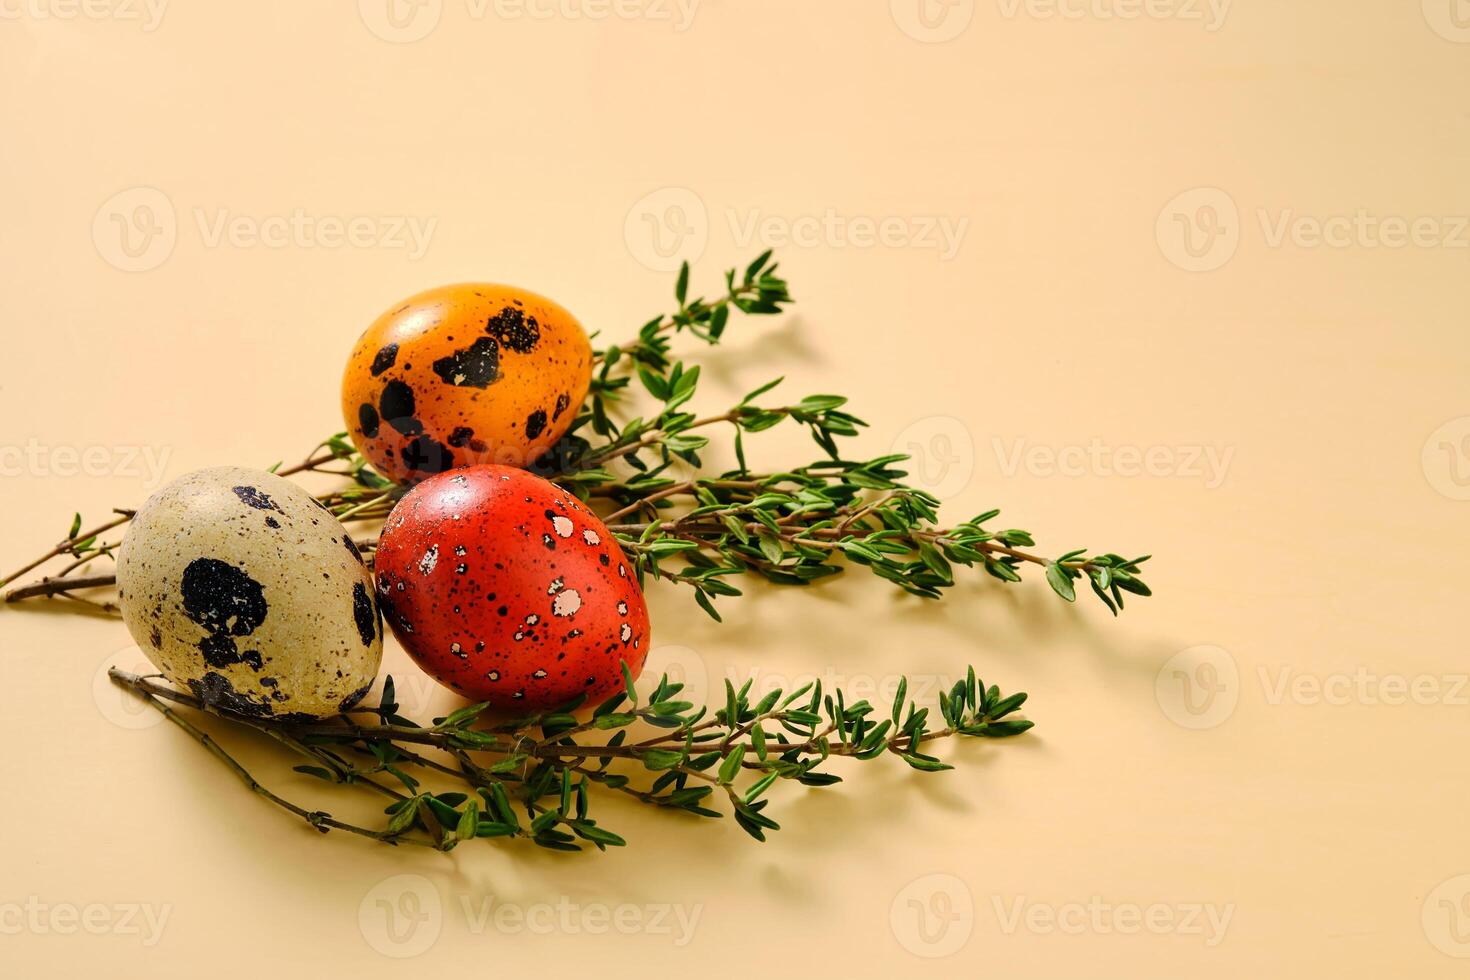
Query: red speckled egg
[[506, 588]]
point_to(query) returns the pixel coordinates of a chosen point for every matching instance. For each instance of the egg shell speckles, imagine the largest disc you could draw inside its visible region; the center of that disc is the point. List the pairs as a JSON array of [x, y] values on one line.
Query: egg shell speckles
[[465, 374], [489, 579], [241, 588]]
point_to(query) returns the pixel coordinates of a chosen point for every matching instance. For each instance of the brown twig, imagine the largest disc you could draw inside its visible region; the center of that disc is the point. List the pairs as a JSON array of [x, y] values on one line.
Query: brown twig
[[65, 547], [536, 749], [319, 819], [63, 584], [652, 437], [826, 538], [59, 586], [310, 463]]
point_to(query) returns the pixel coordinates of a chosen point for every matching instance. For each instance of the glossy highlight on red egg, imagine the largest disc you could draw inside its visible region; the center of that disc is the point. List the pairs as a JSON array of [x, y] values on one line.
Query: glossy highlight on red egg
[[507, 589]]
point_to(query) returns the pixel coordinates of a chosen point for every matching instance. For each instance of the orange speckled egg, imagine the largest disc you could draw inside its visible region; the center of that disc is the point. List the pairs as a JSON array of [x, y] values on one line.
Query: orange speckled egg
[[465, 374]]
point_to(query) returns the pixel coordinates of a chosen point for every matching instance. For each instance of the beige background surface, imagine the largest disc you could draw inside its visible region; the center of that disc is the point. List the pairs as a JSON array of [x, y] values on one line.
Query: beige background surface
[[1177, 234]]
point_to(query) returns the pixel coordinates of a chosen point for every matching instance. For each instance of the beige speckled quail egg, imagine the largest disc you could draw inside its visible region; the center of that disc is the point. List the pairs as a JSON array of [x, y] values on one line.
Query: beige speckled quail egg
[[241, 588]]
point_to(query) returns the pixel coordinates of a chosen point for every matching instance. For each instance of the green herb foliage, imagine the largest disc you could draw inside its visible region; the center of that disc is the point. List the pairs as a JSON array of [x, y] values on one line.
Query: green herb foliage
[[677, 521], [536, 777], [710, 530]]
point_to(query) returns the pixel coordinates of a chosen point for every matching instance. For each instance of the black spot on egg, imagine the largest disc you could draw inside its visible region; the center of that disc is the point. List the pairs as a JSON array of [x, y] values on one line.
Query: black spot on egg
[[562, 401], [476, 366], [385, 604], [535, 423], [425, 455], [222, 598], [367, 420], [462, 436], [351, 546], [352, 699], [216, 691], [364, 614], [257, 498], [220, 650], [514, 329], [271, 522], [384, 359], [396, 405]]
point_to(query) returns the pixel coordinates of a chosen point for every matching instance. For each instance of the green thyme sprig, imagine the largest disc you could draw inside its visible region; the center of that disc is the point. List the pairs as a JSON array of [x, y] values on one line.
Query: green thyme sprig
[[793, 527], [535, 777], [790, 530], [759, 291], [676, 521]]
